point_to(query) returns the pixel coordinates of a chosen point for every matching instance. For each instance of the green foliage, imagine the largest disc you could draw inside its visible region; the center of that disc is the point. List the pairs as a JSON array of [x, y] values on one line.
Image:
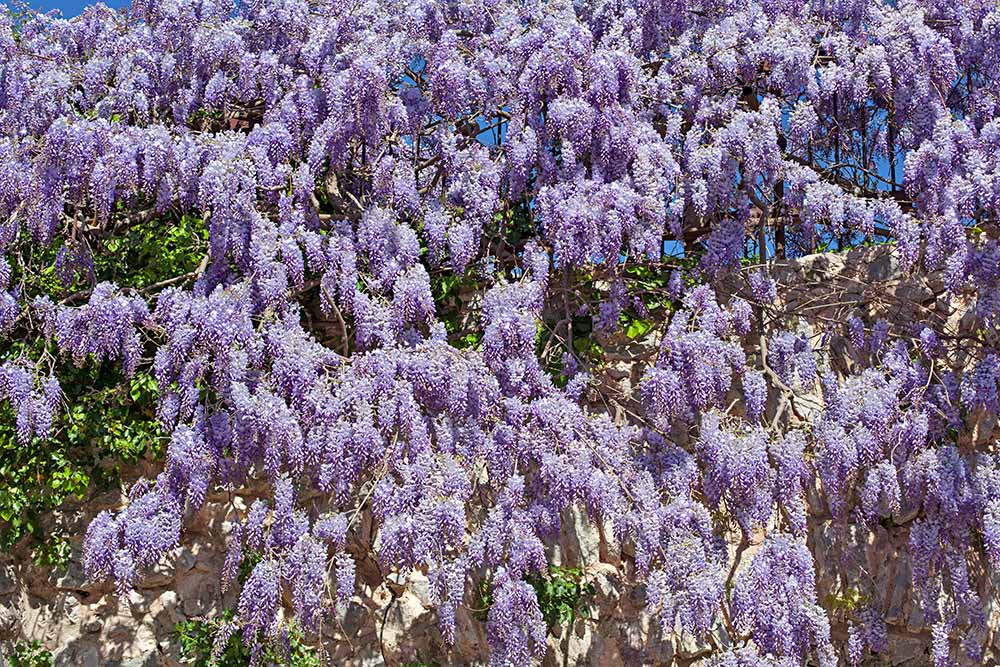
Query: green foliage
[[52, 552], [29, 654], [447, 290], [151, 253], [249, 562], [203, 117], [585, 346], [649, 302], [846, 601], [563, 595], [18, 14], [484, 599], [32, 479], [106, 420], [196, 638], [83, 450], [638, 328], [515, 224], [127, 407], [138, 256], [650, 285]]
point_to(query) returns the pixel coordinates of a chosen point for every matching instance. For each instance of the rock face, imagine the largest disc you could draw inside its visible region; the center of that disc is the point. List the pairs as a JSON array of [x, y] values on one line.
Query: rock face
[[88, 625]]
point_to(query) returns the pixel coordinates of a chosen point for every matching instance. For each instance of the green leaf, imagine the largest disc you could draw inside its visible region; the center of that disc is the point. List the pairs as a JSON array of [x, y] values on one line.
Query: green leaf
[[638, 328]]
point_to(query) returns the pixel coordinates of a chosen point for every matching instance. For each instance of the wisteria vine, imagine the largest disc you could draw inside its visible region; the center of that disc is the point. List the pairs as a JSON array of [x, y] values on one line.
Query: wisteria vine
[[347, 159]]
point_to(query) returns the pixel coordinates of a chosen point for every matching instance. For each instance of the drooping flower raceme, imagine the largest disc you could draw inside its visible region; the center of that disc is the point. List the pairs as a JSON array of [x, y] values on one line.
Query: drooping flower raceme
[[416, 230]]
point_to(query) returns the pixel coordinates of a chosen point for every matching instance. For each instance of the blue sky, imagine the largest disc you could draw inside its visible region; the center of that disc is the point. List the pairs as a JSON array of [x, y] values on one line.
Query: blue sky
[[73, 7]]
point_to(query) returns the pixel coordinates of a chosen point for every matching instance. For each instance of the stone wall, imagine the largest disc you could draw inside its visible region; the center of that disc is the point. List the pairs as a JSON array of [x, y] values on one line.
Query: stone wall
[[391, 622], [89, 625]]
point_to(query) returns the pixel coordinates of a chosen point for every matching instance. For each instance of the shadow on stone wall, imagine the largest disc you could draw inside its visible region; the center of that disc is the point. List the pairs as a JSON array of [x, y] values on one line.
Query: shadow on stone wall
[[393, 622]]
